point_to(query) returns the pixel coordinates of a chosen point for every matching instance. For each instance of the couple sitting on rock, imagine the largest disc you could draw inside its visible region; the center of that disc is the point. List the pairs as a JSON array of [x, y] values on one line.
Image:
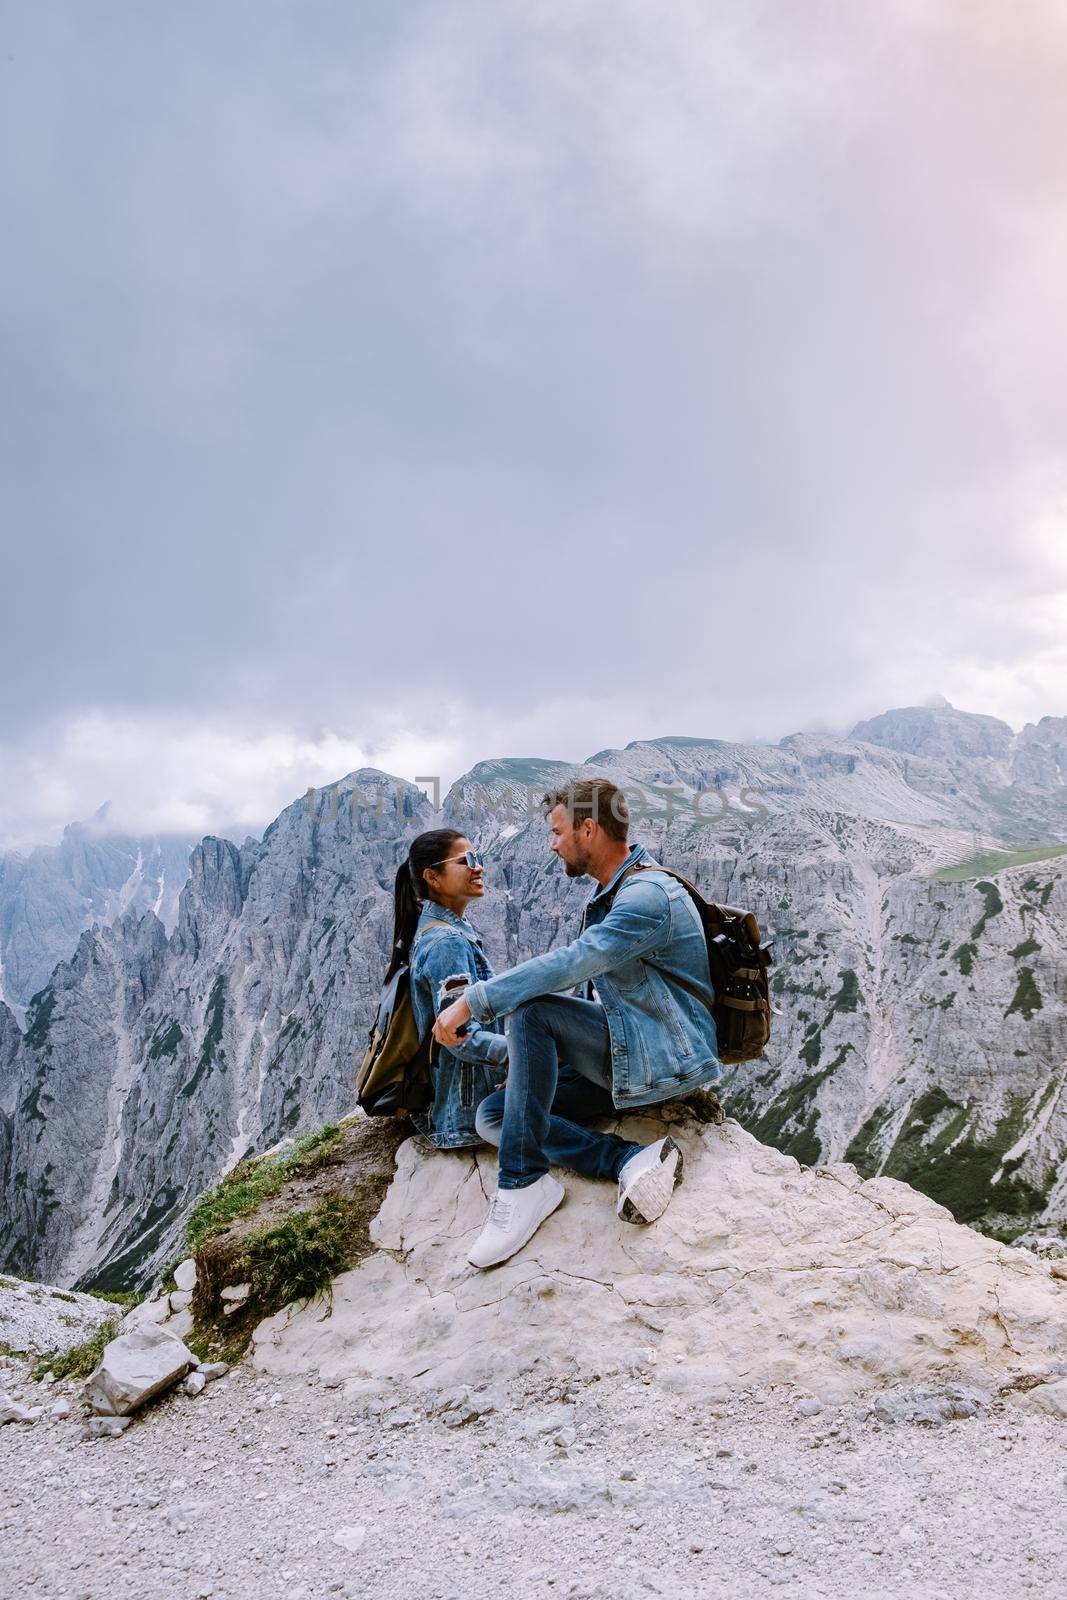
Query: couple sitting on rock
[[648, 1037]]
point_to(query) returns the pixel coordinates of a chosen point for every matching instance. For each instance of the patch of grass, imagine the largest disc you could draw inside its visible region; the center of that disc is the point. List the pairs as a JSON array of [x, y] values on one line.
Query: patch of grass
[[165, 1041], [861, 1145], [252, 1182], [127, 1301], [848, 996], [994, 905], [990, 861], [1027, 997], [9, 1349], [297, 1259], [40, 1017], [964, 955], [80, 1359], [961, 1177], [1029, 947]]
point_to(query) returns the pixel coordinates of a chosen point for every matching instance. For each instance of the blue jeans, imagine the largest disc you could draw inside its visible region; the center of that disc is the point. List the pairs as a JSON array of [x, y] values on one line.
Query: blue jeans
[[559, 1075]]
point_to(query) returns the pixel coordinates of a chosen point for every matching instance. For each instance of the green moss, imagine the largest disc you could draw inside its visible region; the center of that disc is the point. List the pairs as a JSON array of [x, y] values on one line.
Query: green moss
[[39, 1017], [936, 1155], [947, 1001], [907, 938], [80, 1359], [994, 905], [964, 955], [790, 1121], [811, 1049], [848, 996], [862, 1144], [297, 1259], [252, 1182], [215, 1016], [1029, 947], [1027, 997], [165, 1041]]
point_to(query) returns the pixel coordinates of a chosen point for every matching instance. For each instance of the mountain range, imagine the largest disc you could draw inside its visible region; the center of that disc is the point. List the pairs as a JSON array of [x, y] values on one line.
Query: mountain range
[[911, 875]]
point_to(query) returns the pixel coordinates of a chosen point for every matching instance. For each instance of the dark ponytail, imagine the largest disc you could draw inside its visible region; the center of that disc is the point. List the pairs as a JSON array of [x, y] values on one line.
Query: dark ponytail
[[411, 889]]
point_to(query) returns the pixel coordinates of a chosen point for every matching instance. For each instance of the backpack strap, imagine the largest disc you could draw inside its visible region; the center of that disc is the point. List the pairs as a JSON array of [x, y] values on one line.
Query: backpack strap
[[674, 977]]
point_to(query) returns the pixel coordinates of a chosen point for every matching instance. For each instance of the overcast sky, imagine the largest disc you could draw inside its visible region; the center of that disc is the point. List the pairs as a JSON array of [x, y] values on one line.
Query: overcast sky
[[414, 384]]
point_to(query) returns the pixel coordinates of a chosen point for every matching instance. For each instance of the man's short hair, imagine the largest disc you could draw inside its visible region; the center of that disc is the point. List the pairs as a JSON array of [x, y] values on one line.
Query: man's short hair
[[605, 802]]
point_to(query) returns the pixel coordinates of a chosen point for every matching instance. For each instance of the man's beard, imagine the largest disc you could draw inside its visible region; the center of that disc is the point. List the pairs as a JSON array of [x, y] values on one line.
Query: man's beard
[[578, 868]]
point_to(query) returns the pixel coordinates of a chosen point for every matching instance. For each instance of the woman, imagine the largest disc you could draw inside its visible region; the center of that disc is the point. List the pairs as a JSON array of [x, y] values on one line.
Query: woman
[[434, 885]]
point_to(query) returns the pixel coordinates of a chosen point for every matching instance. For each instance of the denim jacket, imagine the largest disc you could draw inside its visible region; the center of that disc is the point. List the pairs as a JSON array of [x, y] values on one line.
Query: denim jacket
[[663, 1040], [465, 1074]]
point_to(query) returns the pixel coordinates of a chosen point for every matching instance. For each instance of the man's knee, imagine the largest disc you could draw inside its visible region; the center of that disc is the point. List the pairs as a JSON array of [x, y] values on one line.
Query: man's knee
[[531, 1013], [489, 1118]]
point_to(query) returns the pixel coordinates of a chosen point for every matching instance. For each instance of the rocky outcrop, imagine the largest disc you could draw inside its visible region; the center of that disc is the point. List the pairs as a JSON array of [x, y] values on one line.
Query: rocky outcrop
[[761, 1273]]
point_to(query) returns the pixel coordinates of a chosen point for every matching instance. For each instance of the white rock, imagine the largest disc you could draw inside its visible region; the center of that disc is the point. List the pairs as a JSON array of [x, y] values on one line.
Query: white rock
[[185, 1274], [1050, 1398], [350, 1538], [60, 1408], [180, 1325], [149, 1314], [825, 1284], [233, 1296], [12, 1410], [193, 1382], [134, 1367], [180, 1299]]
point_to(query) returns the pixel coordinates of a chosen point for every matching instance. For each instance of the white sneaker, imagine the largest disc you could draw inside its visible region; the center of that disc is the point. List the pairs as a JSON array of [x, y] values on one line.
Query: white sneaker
[[514, 1217], [648, 1180]]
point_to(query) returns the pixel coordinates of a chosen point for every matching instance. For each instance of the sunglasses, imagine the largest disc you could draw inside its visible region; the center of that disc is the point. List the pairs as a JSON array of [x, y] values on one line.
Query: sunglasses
[[470, 858]]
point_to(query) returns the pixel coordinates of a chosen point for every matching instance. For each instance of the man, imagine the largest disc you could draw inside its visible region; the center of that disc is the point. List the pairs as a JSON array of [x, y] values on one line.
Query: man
[[646, 1038]]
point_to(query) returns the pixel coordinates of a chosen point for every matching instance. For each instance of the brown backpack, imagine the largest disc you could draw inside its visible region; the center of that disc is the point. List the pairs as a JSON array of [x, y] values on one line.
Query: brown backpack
[[394, 1076], [738, 963]]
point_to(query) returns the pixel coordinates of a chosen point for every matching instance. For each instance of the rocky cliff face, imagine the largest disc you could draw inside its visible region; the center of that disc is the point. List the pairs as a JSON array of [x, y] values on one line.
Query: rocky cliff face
[[914, 880], [50, 896], [150, 1065]]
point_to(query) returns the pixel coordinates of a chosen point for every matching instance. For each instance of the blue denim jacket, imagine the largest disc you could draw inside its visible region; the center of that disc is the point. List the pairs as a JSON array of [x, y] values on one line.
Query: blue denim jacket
[[463, 1076], [662, 1038]]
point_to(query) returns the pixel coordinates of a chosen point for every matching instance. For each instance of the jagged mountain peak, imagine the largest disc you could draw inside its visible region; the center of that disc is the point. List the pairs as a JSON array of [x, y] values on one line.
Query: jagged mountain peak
[[939, 731]]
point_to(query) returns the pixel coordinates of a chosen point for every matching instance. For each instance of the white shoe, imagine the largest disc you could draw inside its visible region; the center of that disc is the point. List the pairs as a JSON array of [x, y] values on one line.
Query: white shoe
[[514, 1217], [648, 1180]]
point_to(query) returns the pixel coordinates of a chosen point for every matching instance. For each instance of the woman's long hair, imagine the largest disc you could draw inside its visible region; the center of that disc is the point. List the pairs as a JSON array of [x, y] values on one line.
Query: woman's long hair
[[411, 889]]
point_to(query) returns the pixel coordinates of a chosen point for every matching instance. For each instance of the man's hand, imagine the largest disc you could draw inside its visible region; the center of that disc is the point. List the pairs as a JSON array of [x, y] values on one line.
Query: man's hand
[[446, 1030]]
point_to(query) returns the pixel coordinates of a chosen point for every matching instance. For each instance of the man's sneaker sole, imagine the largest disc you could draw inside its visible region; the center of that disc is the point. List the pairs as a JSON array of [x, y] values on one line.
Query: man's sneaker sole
[[513, 1250], [651, 1192]]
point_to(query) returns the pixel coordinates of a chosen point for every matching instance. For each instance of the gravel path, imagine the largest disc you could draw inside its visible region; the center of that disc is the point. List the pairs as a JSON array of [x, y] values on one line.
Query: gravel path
[[616, 1490]]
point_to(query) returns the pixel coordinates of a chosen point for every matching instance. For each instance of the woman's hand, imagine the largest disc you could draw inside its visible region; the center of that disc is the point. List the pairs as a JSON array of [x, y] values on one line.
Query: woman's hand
[[448, 1029]]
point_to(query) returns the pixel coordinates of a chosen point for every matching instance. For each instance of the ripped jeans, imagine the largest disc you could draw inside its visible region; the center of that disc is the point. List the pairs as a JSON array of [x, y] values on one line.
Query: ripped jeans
[[559, 1076]]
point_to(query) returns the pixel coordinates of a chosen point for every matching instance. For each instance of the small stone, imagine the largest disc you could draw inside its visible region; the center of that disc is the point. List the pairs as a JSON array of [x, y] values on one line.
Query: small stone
[[350, 1538], [213, 1369], [783, 1548], [628, 1475], [105, 1427], [809, 1408], [60, 1408], [193, 1383], [180, 1299]]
